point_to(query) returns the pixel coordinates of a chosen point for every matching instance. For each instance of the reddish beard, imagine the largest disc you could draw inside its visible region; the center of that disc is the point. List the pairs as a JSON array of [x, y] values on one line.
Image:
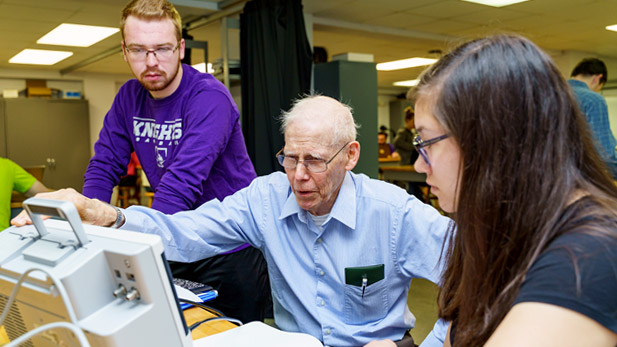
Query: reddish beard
[[160, 84]]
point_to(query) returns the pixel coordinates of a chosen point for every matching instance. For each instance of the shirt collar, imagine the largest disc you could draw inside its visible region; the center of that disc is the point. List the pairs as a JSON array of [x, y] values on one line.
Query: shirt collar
[[344, 209], [577, 83]]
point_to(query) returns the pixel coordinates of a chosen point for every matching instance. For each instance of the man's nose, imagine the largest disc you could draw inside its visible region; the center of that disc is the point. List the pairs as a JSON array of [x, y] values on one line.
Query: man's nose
[[151, 59], [301, 172]]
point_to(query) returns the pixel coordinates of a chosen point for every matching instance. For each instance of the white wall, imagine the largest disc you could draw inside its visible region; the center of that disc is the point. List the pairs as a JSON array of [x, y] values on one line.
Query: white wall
[[611, 101], [100, 91], [383, 110]]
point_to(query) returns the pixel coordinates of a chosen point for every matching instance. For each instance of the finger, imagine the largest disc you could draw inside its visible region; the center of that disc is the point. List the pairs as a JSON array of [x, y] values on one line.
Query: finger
[[21, 219]]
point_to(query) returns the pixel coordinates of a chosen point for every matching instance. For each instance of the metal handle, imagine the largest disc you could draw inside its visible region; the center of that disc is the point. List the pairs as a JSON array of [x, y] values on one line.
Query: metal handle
[[55, 208]]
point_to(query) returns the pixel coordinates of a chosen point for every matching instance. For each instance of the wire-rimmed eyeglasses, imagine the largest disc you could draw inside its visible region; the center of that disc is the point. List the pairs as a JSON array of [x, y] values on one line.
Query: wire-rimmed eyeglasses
[[420, 145], [312, 165], [160, 53]]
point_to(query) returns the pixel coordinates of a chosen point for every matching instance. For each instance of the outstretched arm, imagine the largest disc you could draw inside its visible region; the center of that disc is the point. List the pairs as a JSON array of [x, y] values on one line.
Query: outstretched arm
[[91, 211]]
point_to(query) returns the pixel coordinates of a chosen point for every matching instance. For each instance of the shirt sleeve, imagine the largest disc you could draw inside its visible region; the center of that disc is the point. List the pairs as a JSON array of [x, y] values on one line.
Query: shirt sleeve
[[112, 153], [22, 180], [213, 228], [437, 336], [420, 241], [577, 272], [419, 251], [209, 125]]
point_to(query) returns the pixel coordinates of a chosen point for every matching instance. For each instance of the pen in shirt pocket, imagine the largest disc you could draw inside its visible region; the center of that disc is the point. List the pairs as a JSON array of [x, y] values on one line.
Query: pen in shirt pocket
[[364, 276]]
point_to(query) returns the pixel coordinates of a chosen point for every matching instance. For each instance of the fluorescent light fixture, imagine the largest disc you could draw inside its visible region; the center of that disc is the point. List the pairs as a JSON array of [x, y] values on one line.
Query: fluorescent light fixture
[[76, 35], [201, 67], [404, 64], [408, 83], [39, 57], [496, 3], [612, 27]]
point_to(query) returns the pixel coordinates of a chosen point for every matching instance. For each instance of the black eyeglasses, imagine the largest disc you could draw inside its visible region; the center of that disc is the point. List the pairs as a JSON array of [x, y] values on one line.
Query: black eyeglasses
[[312, 165], [420, 145], [161, 53]]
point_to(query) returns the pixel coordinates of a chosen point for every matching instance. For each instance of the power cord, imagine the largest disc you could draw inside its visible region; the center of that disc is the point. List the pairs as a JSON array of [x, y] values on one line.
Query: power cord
[[73, 326], [218, 314], [229, 319], [204, 307]]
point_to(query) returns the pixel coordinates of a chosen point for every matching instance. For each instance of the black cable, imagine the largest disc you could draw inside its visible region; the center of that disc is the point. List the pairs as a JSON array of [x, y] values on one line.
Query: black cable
[[229, 319], [204, 307]]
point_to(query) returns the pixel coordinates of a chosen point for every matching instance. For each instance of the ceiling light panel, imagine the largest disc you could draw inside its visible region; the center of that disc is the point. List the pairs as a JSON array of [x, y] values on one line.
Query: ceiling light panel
[[404, 64], [612, 27], [408, 83], [39, 57], [496, 3], [76, 35]]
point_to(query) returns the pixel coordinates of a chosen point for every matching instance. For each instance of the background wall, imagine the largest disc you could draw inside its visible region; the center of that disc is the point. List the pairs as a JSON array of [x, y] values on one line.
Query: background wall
[[98, 89]]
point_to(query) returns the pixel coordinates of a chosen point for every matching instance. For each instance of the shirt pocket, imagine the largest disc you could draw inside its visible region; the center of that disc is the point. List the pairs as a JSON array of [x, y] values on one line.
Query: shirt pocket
[[373, 306]]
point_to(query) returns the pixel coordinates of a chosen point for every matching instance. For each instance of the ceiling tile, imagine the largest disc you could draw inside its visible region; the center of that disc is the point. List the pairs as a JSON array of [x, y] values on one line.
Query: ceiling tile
[[400, 20], [351, 12]]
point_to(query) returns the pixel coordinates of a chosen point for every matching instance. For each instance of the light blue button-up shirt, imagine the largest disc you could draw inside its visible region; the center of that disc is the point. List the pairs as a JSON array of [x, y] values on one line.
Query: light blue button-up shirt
[[371, 223]]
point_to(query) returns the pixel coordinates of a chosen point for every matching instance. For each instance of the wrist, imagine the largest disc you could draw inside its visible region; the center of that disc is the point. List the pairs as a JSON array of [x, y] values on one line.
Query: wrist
[[118, 219]]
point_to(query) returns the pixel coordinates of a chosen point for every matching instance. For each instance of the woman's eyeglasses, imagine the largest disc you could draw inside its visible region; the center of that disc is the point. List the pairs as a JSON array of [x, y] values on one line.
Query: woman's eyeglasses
[[421, 145]]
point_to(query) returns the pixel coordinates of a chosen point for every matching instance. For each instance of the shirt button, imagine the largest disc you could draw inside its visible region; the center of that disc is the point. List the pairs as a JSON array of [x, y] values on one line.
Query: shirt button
[[321, 273], [328, 332], [322, 303], [319, 240]]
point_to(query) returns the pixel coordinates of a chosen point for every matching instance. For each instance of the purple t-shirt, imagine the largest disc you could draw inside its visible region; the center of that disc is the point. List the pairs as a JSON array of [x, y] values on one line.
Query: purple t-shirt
[[190, 144]]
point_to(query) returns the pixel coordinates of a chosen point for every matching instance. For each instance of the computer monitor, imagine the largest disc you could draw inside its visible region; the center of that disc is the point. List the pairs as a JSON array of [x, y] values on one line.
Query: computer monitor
[[118, 282]]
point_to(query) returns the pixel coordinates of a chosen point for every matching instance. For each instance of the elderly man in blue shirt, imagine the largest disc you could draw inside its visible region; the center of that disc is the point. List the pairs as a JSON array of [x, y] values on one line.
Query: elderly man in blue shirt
[[587, 80], [341, 248]]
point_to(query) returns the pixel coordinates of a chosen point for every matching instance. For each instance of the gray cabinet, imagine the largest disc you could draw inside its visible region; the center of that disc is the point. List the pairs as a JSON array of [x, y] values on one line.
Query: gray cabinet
[[397, 115], [355, 83], [49, 132]]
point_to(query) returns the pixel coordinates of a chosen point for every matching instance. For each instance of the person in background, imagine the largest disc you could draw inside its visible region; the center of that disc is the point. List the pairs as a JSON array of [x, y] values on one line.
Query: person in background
[[403, 142], [130, 180], [587, 80], [14, 177], [386, 150], [185, 129], [341, 248], [505, 148]]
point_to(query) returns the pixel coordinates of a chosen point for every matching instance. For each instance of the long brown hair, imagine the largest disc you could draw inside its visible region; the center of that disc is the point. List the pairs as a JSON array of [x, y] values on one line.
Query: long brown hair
[[525, 153]]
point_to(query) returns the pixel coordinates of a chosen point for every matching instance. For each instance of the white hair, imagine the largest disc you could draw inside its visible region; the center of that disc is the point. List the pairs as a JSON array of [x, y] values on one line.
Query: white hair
[[338, 114]]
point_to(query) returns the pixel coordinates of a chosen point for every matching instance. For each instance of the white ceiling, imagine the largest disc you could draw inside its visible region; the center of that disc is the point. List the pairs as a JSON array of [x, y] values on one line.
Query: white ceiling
[[388, 29]]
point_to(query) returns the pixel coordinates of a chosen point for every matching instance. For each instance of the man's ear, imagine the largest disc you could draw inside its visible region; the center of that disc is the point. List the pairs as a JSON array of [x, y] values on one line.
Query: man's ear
[[181, 48], [353, 155], [596, 84], [124, 51]]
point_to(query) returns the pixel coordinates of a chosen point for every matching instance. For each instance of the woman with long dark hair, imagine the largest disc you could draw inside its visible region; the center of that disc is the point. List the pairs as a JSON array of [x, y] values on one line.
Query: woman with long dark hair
[[532, 260]]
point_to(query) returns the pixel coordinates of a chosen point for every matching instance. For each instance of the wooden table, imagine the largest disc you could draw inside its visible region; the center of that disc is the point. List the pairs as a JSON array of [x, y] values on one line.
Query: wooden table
[[192, 315], [389, 162], [195, 314], [401, 173]]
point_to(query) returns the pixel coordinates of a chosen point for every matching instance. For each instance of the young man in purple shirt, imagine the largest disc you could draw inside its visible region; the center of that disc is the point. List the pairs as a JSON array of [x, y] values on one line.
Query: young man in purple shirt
[[185, 129]]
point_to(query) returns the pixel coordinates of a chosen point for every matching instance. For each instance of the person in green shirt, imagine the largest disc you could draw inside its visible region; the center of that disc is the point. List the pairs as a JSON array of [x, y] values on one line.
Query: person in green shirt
[[14, 177]]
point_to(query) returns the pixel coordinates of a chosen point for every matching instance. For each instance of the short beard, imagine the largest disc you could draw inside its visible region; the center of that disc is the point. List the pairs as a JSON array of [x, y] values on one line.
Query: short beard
[[155, 87]]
